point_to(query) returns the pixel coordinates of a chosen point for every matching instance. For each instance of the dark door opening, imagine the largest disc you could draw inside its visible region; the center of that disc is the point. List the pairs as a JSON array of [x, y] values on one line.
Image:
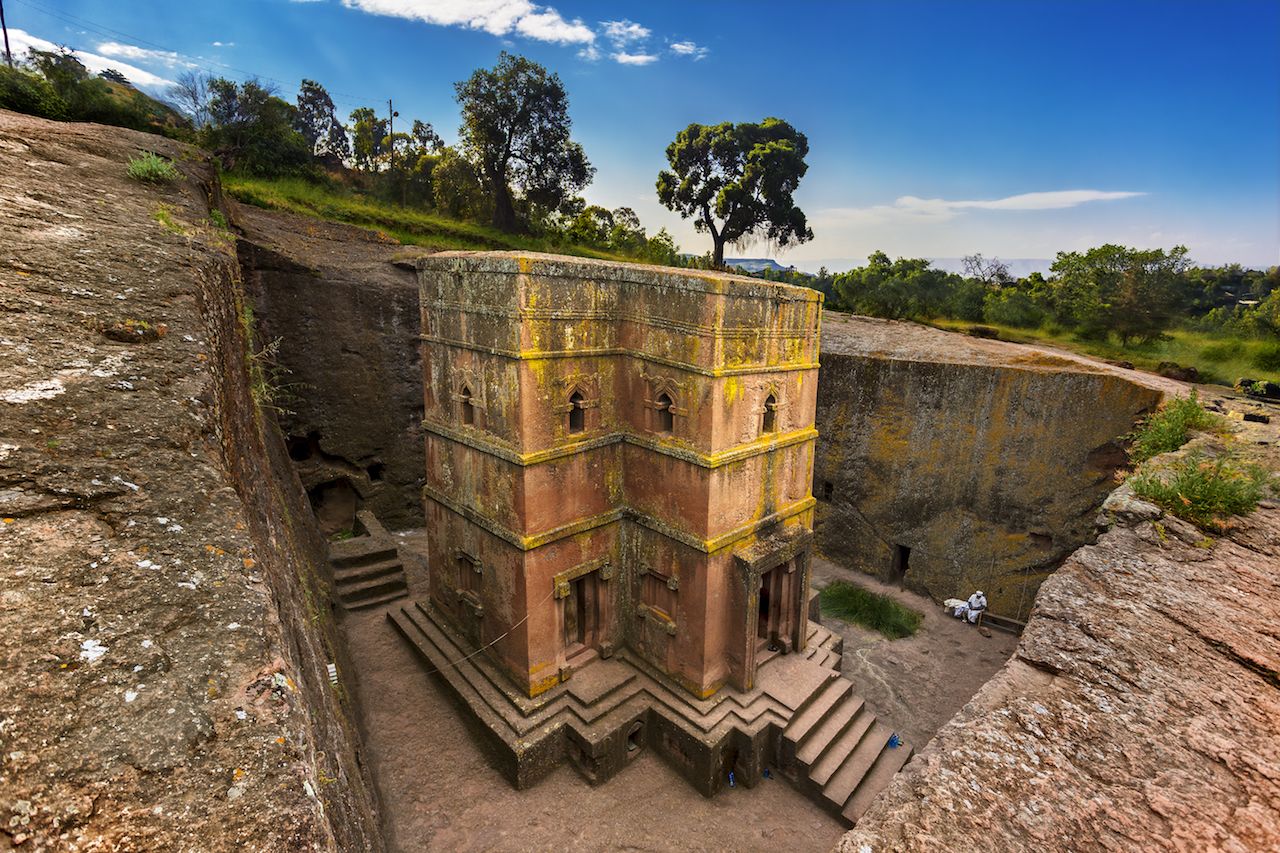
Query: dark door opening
[[769, 617], [582, 614], [901, 562]]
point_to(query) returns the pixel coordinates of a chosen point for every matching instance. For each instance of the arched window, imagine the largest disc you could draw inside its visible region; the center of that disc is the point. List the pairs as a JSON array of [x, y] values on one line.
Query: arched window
[[770, 414], [666, 419], [468, 408], [577, 414]]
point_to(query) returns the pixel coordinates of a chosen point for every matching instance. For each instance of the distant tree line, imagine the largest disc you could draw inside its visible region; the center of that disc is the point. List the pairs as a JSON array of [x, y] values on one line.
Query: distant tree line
[[1133, 296]]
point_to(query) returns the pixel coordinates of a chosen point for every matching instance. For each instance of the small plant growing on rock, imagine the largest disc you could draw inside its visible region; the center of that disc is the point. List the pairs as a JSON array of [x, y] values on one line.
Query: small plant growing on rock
[[1171, 427], [164, 215], [1205, 491], [151, 168], [129, 331]]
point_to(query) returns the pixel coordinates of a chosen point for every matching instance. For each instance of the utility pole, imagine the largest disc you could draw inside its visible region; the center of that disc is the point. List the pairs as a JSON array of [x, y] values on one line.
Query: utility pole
[[391, 135], [8, 56]]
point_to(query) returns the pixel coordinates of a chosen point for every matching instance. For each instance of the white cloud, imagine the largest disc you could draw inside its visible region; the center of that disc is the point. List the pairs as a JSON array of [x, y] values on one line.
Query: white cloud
[[142, 54], [688, 48], [496, 17], [590, 53], [624, 58], [547, 25], [912, 208], [623, 33], [21, 41], [223, 44]]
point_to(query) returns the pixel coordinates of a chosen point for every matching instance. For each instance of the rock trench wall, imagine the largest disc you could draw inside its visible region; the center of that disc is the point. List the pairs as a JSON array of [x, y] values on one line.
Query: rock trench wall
[[346, 333], [988, 473]]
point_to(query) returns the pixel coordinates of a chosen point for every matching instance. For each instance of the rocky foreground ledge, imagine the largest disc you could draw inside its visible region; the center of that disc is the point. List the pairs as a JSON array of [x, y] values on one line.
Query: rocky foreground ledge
[[1141, 710], [163, 641]]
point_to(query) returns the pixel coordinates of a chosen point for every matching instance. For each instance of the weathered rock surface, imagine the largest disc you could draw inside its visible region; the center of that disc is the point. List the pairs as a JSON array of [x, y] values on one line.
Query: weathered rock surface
[[163, 638], [346, 319], [953, 464], [1141, 710]]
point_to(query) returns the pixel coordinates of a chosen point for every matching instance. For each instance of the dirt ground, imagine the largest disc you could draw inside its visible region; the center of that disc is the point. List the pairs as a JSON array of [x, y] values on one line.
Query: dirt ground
[[918, 683], [439, 792]]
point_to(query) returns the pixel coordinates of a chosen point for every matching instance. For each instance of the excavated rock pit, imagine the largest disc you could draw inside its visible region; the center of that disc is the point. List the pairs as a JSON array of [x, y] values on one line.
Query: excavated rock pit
[[167, 631]]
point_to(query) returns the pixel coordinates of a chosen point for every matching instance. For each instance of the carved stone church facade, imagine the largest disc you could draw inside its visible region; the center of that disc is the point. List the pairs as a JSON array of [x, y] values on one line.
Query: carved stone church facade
[[618, 457]]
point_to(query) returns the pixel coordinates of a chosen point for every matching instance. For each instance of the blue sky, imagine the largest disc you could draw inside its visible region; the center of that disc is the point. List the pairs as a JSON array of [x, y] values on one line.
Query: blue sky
[[1015, 128]]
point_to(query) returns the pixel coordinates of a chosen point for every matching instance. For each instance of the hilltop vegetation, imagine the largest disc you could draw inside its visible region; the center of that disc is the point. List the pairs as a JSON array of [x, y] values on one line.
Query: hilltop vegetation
[[1147, 307]]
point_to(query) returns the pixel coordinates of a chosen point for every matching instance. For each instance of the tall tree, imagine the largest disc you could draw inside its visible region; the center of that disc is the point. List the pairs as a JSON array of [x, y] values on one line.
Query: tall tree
[[368, 138], [515, 128], [191, 94], [318, 123], [736, 181], [251, 129], [992, 272], [1132, 293]]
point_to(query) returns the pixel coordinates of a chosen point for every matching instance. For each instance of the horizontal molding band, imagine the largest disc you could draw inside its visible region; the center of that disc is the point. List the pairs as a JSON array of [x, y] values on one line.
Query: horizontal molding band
[[612, 316], [537, 540], [737, 453], [611, 273], [597, 352]]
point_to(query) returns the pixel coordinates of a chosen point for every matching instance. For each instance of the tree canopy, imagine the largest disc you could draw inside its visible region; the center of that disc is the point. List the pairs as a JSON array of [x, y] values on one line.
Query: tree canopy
[[515, 128], [317, 121], [736, 181]]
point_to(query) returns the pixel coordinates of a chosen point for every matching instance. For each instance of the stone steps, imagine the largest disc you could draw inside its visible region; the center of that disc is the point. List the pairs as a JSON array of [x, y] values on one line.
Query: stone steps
[[882, 772], [447, 661], [367, 571], [355, 574], [358, 552], [839, 751]]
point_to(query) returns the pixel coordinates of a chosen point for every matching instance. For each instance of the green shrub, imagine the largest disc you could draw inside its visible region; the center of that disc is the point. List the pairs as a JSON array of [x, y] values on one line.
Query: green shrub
[[870, 610], [152, 169], [1267, 357], [1171, 427], [26, 92], [1204, 491]]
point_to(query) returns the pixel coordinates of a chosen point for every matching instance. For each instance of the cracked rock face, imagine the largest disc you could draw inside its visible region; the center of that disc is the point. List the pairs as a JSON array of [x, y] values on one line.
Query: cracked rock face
[[148, 698], [1141, 710]]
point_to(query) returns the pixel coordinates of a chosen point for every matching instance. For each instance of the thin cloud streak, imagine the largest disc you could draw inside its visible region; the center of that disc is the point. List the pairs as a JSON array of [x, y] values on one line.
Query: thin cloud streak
[[142, 54], [937, 209]]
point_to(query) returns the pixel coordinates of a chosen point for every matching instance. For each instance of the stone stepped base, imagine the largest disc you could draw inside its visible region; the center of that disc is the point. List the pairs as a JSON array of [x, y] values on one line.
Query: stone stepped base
[[606, 713], [367, 571], [838, 752]]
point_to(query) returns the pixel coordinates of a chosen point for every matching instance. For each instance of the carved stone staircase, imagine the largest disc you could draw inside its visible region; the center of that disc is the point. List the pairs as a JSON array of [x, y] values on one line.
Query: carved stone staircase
[[838, 751], [367, 571]]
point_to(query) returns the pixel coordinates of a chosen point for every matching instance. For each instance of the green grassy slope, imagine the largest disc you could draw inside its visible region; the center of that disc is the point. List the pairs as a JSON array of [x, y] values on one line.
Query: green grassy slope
[[406, 225], [1220, 358]]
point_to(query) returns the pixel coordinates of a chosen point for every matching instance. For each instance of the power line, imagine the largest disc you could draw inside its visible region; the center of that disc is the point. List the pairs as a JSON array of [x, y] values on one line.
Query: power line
[[110, 33]]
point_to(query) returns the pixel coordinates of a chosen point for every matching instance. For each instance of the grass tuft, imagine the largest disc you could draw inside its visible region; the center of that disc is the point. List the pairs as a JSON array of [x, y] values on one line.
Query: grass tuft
[[869, 609], [151, 168], [1204, 491], [1171, 427]]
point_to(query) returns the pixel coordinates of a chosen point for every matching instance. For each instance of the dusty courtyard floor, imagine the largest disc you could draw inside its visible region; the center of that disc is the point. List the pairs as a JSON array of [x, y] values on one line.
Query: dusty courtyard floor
[[439, 792], [918, 683]]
